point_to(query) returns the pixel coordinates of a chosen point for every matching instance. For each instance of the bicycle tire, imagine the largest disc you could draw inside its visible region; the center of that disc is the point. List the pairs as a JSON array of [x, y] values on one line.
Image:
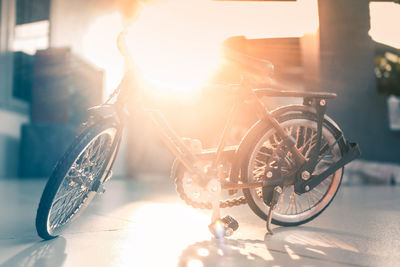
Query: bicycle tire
[[256, 203], [67, 164]]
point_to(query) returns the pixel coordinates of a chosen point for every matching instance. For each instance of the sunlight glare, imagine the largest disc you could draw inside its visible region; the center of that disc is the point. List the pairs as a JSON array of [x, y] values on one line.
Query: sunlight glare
[[161, 231], [291, 253], [307, 239], [385, 22], [176, 44], [203, 252], [195, 263]]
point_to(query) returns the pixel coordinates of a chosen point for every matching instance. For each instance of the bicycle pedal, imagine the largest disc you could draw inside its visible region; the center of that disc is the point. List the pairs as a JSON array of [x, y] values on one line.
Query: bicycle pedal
[[230, 222], [223, 227]]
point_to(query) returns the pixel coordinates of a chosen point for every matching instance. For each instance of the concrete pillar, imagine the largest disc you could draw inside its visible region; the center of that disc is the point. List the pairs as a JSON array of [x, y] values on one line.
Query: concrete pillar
[[347, 68], [310, 55]]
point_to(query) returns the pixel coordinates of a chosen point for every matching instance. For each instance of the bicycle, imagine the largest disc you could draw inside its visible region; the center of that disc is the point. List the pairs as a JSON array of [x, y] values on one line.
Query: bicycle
[[289, 165]]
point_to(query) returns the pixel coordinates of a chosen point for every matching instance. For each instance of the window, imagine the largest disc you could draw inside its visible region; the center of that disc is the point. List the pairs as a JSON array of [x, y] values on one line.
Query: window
[[24, 29], [385, 19]]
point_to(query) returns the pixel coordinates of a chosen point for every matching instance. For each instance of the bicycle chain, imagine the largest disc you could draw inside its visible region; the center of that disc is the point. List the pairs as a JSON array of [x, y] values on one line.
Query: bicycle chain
[[206, 205]]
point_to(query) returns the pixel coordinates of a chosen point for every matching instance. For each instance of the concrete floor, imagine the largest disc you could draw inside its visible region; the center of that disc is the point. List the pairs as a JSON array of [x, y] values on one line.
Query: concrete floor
[[146, 224]]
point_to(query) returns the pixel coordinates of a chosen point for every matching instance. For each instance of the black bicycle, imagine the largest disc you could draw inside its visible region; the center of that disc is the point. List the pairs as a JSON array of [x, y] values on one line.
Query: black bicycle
[[289, 165]]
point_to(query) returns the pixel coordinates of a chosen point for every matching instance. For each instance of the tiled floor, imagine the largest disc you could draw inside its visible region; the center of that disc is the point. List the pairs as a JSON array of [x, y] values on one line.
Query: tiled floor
[[146, 224]]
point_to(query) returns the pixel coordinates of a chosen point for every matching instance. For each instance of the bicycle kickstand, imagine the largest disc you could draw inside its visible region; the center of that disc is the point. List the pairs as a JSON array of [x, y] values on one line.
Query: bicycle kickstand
[[274, 201]]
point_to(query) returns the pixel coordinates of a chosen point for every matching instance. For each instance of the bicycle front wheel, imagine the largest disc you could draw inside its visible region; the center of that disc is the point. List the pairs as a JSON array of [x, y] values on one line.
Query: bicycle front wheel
[[70, 187]]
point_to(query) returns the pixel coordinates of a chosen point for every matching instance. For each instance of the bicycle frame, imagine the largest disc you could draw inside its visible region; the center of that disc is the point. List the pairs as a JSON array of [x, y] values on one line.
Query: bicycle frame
[[243, 93]]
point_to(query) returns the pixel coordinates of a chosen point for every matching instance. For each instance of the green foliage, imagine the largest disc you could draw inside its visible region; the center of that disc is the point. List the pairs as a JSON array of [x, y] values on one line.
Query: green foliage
[[387, 72]]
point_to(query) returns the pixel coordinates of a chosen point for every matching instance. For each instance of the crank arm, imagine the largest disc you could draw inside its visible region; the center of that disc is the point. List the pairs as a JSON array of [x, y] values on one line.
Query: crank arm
[[353, 151]]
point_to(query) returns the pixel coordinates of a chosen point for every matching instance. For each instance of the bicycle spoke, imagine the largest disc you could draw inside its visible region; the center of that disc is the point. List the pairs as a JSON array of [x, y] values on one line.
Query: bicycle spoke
[[259, 161], [264, 154], [313, 197], [275, 139], [298, 137], [308, 201], [289, 130], [317, 192], [332, 146], [61, 197], [290, 205], [299, 203], [308, 143], [79, 178], [295, 202], [280, 204], [270, 153]]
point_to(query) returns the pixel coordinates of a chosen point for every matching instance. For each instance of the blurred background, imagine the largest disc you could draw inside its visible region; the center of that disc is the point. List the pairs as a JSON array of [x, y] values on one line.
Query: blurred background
[[58, 58]]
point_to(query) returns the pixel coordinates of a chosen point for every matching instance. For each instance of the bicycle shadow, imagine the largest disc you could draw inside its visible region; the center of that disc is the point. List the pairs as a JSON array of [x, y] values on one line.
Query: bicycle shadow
[[288, 246], [43, 253]]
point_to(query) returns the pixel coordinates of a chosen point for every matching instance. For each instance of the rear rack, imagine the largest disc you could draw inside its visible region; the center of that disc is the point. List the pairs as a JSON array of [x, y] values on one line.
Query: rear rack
[[278, 93]]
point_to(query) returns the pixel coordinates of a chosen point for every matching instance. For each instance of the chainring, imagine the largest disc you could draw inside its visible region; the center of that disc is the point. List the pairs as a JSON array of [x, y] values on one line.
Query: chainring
[[194, 195]]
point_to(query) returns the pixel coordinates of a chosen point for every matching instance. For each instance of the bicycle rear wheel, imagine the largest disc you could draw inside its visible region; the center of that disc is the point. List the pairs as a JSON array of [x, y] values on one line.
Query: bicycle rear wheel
[[293, 209], [71, 185]]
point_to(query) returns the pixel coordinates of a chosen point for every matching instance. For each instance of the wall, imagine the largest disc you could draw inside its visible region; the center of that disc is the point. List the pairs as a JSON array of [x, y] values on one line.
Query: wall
[[310, 55], [347, 68], [11, 111], [9, 142]]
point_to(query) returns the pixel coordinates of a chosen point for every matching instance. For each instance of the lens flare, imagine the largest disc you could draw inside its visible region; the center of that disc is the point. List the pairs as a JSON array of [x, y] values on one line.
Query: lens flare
[[172, 48], [176, 44]]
